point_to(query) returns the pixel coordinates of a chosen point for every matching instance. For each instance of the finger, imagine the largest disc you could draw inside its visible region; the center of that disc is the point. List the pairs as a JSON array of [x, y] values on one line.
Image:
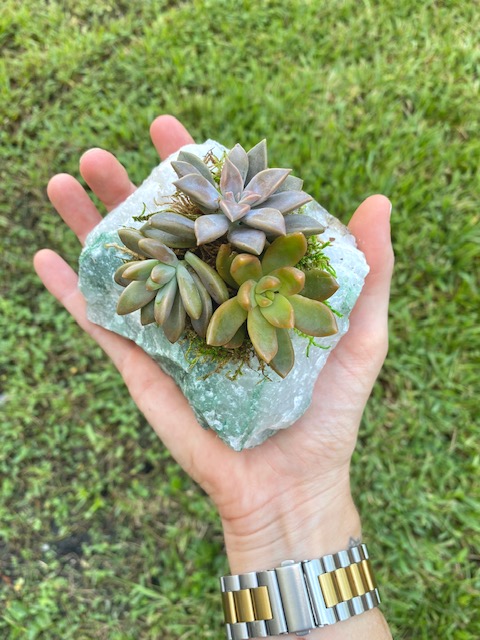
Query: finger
[[370, 225], [73, 204], [168, 135], [106, 177], [367, 336], [155, 393]]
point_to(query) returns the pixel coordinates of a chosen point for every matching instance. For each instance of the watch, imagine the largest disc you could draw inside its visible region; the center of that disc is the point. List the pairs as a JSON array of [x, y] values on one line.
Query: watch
[[298, 597]]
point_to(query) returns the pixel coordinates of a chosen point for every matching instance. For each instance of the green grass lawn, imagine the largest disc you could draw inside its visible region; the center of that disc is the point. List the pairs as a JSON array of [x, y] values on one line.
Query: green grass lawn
[[101, 534]]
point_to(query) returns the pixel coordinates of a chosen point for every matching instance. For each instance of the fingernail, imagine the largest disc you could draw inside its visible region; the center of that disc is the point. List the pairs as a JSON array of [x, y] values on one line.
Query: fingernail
[[90, 151]]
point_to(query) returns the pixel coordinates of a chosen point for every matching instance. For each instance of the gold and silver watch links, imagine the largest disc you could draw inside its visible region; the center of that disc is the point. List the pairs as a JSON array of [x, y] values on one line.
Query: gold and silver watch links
[[298, 597]]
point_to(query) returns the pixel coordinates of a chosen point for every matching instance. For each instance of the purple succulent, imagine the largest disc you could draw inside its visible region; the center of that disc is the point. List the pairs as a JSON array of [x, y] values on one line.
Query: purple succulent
[[251, 202]]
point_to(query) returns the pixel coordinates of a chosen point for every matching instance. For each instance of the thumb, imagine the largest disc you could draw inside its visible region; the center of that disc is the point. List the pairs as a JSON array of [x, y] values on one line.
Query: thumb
[[370, 224]]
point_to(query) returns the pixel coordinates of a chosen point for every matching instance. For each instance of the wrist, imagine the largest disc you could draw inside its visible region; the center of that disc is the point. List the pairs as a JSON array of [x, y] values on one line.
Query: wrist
[[295, 526]]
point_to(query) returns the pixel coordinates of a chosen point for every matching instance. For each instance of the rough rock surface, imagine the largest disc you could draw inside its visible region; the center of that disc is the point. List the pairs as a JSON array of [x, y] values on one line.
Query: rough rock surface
[[248, 410]]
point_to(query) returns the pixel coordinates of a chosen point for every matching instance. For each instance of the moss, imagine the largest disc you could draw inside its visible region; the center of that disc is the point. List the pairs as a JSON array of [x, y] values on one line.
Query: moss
[[315, 257], [311, 341], [215, 164], [198, 351], [334, 311]]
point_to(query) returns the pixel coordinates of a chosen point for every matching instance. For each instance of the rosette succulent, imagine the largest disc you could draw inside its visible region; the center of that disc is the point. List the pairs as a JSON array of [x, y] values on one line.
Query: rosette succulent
[[247, 202], [273, 297], [250, 291], [167, 289]]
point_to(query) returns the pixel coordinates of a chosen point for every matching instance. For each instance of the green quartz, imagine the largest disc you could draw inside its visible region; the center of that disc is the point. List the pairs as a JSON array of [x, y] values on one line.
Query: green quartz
[[247, 410]]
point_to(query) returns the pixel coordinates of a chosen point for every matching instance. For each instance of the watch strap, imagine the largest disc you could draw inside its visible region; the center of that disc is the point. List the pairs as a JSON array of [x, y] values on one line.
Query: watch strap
[[299, 596]]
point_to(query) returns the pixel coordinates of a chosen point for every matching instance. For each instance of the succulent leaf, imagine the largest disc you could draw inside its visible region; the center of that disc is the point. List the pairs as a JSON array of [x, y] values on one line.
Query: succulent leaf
[[225, 257], [292, 280], [118, 275], [147, 313], [300, 222], [151, 285], [280, 313], [200, 190], [164, 301], [262, 334], [168, 239], [313, 317], [139, 270], [245, 267], [134, 297], [174, 325], [266, 182], [292, 183], [246, 295], [225, 322], [162, 273], [250, 198], [234, 210], [284, 359], [237, 339], [257, 160], [200, 324], [174, 223], [262, 301], [189, 292], [251, 240], [287, 201], [231, 179], [183, 168], [266, 219], [319, 285], [210, 279], [267, 283], [158, 250], [210, 227], [238, 157], [198, 164], [284, 251], [131, 238]]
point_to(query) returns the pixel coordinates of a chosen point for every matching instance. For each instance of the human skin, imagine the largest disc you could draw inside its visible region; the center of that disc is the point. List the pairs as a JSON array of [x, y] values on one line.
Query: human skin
[[288, 498]]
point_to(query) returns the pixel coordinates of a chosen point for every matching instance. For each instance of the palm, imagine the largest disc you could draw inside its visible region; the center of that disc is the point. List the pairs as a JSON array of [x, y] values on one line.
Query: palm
[[321, 441]]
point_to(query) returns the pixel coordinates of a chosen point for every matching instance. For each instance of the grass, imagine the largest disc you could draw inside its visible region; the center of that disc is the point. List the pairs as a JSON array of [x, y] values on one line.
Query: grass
[[101, 534]]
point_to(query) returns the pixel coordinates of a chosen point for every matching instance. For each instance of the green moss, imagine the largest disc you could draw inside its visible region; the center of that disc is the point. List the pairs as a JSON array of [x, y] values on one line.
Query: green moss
[[215, 164], [199, 351], [310, 341], [315, 257]]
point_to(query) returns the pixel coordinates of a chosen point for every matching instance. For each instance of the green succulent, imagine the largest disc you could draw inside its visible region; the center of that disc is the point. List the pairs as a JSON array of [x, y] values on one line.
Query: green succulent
[[167, 289], [273, 297], [249, 204]]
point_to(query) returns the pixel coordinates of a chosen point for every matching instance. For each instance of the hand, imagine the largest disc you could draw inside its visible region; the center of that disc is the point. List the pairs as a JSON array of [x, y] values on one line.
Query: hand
[[289, 497]]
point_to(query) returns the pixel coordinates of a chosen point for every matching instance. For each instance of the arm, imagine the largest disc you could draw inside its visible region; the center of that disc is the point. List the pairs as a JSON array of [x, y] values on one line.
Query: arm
[[282, 499]]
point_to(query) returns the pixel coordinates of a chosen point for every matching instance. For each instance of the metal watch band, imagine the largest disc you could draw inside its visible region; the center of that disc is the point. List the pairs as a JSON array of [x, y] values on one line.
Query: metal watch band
[[298, 597]]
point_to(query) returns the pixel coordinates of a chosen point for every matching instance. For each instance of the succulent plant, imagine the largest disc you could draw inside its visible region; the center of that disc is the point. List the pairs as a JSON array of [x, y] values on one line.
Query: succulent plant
[[165, 288], [262, 281], [249, 203], [273, 296]]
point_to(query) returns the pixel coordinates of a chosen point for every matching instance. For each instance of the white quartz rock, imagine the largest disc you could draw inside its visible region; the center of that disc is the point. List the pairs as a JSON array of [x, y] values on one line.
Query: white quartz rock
[[246, 411]]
